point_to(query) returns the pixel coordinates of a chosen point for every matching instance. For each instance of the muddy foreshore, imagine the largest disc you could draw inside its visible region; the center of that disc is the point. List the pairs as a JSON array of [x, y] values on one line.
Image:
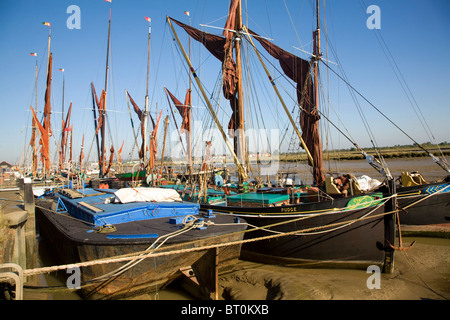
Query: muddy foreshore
[[423, 272]]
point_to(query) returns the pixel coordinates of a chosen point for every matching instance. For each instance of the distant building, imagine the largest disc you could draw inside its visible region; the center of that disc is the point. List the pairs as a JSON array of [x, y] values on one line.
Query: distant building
[[5, 167], [5, 172]]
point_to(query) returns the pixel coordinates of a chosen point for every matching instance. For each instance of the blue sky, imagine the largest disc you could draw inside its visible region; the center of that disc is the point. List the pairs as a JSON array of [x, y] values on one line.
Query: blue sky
[[416, 32]]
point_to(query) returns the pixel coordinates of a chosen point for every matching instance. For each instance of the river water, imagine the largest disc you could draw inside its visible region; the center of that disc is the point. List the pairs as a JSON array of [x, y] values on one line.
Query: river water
[[430, 280]]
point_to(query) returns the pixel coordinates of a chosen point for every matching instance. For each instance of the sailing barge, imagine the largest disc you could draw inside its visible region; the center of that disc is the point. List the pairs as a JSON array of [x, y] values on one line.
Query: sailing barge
[[421, 202], [95, 224]]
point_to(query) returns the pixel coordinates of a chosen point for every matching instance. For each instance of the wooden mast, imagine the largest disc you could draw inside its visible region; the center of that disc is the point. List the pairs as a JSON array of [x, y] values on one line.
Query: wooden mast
[[188, 133], [103, 115], [33, 129], [47, 128], [240, 148], [317, 56], [146, 93]]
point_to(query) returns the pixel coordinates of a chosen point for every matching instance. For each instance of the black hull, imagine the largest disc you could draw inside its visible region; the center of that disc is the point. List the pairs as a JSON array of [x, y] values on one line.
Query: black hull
[[337, 239], [421, 208], [74, 243]]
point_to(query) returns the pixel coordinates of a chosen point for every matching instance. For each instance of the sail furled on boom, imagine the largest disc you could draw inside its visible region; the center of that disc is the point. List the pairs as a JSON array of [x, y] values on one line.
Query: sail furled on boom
[[65, 129], [229, 71], [183, 109], [45, 128], [99, 123], [299, 71], [141, 117], [48, 106]]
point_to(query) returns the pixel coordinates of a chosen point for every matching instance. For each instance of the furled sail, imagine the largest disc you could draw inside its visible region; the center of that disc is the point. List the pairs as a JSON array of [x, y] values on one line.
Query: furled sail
[[44, 141], [33, 147], [298, 70], [48, 106], [221, 48], [64, 128], [154, 142], [183, 109], [101, 110], [45, 128], [141, 117]]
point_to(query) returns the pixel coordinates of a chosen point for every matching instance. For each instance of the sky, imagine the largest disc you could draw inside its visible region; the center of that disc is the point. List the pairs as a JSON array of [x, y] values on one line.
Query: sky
[[414, 31]]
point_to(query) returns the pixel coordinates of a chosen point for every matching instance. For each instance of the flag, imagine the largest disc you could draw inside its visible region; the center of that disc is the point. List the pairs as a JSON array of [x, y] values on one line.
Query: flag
[[46, 24], [108, 1], [187, 13], [34, 54], [61, 70], [148, 19]]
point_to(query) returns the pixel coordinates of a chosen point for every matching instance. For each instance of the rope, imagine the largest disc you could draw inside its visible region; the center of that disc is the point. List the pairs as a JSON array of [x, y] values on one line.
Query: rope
[[144, 255]]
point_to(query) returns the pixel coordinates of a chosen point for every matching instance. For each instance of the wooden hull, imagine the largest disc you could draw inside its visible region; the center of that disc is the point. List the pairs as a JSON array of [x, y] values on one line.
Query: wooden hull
[[74, 242], [132, 176], [424, 204], [327, 235]]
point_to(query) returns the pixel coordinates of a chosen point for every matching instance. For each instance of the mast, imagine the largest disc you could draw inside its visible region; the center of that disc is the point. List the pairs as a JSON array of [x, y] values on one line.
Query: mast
[[33, 129], [46, 162], [146, 92], [103, 112], [188, 133], [240, 148], [317, 56], [62, 152], [166, 123]]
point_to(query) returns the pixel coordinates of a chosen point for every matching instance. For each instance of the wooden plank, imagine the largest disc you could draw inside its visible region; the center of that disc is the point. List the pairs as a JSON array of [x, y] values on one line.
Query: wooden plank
[[90, 206]]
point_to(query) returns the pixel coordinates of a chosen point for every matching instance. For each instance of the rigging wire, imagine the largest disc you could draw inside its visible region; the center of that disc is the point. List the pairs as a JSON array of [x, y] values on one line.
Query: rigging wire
[[404, 85]]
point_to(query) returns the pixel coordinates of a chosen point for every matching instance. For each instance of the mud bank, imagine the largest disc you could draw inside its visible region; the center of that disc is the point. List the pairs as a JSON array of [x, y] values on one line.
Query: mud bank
[[423, 272]]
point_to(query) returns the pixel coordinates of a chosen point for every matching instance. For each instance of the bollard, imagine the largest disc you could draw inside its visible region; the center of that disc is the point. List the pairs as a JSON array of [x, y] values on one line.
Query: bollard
[[30, 228], [16, 220]]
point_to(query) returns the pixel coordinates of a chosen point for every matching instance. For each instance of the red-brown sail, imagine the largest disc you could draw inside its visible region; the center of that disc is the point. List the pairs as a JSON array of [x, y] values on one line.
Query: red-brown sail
[[119, 153], [82, 153], [217, 46], [45, 128], [111, 158], [43, 141], [213, 43], [48, 106], [64, 128], [141, 118], [298, 70], [183, 109], [153, 143], [33, 147]]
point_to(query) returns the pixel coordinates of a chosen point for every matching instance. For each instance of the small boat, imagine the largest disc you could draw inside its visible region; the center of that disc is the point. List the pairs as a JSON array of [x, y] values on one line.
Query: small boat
[[94, 224]]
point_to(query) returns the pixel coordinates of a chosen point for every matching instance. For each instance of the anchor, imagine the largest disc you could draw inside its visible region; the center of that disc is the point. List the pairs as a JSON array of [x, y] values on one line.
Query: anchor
[[400, 247]]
